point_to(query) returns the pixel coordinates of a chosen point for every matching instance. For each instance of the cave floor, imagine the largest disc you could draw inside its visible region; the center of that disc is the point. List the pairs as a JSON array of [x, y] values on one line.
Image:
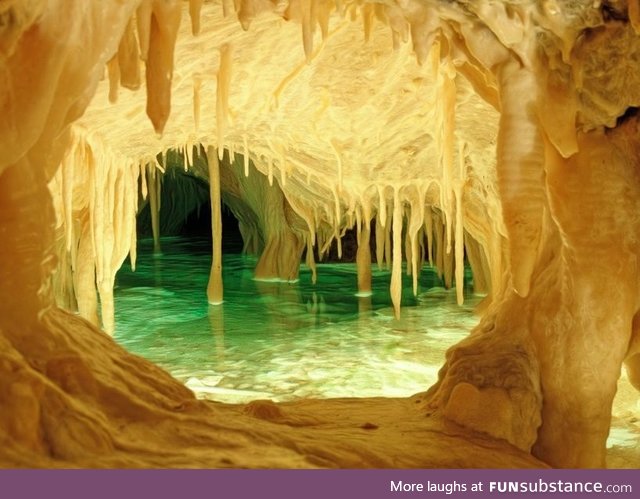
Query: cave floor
[[136, 416]]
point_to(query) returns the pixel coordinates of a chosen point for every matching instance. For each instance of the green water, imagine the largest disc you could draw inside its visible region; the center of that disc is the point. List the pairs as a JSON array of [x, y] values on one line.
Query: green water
[[284, 340]]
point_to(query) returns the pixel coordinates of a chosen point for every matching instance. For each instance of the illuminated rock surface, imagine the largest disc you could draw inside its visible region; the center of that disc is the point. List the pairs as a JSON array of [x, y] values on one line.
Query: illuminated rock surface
[[503, 129]]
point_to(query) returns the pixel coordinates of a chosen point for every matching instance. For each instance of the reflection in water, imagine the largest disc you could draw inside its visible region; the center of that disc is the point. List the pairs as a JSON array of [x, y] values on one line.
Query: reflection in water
[[216, 323], [284, 340]]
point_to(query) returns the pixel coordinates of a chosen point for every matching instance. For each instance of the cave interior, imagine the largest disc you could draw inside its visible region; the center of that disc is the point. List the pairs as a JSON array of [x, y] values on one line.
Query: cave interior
[[406, 137]]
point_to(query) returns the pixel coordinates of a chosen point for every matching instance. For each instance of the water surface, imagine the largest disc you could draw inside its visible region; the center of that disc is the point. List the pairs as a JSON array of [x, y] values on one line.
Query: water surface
[[282, 340]]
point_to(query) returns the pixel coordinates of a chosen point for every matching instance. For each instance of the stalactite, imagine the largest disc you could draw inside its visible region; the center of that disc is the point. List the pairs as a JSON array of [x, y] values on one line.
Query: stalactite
[[421, 249], [520, 159], [197, 85], [188, 155], [338, 152], [67, 172], [379, 243], [363, 259], [215, 288], [270, 170], [440, 246], [114, 78], [222, 95], [459, 246], [228, 7], [324, 13], [154, 187], [448, 268], [143, 24], [62, 281], [307, 28], [368, 17], [311, 263], [446, 145], [398, 24], [407, 254], [194, 13], [496, 264], [129, 59], [634, 15], [387, 246], [95, 195], [246, 155], [85, 274], [165, 22], [142, 173], [382, 205], [477, 261], [283, 174], [416, 221], [128, 216], [428, 229], [396, 272]]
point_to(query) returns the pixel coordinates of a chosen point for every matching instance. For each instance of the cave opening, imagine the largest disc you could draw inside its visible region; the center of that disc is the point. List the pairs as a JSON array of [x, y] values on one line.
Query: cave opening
[[185, 212]]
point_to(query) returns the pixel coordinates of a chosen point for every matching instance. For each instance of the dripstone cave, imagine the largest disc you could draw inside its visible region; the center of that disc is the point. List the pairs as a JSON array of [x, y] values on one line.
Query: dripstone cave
[[486, 152]]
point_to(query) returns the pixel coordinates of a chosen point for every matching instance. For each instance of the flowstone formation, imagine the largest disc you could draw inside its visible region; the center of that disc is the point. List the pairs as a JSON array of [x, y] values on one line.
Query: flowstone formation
[[503, 131]]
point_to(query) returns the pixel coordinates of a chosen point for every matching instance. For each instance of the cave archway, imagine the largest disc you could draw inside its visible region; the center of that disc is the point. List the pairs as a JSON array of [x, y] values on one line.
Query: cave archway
[[562, 266]]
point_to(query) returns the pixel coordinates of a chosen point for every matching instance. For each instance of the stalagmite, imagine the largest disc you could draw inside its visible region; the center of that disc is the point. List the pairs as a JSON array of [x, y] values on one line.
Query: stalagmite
[[214, 288]]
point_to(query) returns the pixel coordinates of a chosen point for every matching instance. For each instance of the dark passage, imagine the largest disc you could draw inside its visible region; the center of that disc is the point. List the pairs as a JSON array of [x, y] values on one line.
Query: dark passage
[[185, 210]]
